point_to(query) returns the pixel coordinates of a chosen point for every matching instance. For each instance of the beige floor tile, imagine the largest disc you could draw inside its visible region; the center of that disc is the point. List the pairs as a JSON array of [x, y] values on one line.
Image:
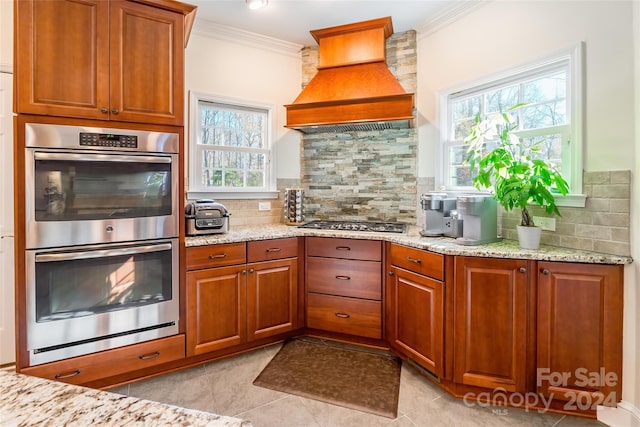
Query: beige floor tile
[[288, 411], [328, 415]]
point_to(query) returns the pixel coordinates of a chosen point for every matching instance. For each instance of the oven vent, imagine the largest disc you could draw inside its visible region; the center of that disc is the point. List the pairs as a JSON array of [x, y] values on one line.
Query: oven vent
[[355, 127], [353, 89]]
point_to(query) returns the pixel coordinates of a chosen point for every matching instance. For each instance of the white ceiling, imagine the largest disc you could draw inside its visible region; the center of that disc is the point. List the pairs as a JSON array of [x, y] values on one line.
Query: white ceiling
[[291, 20]]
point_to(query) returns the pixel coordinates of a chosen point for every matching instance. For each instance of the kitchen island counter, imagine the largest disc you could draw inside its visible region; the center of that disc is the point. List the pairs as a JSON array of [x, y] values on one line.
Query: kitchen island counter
[[442, 245], [26, 400]]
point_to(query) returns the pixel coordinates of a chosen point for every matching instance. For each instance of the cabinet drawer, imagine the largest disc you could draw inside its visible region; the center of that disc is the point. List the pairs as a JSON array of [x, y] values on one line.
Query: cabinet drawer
[[199, 257], [84, 369], [345, 315], [358, 279], [418, 261], [344, 248], [266, 250]]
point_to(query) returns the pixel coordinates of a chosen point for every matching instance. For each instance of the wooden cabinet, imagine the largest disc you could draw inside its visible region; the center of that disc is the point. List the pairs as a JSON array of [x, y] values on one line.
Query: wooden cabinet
[[240, 292], [111, 60], [491, 319], [96, 366], [415, 305], [580, 333], [344, 286], [272, 299]]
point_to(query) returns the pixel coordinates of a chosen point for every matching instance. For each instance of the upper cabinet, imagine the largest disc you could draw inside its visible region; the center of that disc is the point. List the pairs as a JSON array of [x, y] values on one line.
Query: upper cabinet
[[115, 60]]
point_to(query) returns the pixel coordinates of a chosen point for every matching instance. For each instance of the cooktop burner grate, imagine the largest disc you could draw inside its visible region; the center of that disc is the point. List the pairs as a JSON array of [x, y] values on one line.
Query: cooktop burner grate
[[380, 227]]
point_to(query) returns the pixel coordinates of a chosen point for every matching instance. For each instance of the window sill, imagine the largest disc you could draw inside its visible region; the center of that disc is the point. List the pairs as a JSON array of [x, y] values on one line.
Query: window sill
[[236, 195], [568, 201]]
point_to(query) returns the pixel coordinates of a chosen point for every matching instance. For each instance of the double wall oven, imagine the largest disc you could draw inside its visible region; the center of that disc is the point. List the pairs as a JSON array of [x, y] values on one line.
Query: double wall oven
[[102, 226]]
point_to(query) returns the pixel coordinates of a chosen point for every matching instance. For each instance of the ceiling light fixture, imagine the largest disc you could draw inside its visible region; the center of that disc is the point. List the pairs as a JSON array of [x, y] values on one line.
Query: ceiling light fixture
[[257, 4]]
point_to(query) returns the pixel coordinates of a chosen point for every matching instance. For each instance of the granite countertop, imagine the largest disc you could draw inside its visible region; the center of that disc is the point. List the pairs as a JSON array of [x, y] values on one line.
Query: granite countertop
[[412, 238], [26, 400]]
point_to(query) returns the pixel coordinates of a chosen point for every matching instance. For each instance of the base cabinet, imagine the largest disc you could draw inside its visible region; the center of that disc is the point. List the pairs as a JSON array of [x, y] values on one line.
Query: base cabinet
[[580, 333], [228, 305], [491, 315], [105, 364], [415, 305]]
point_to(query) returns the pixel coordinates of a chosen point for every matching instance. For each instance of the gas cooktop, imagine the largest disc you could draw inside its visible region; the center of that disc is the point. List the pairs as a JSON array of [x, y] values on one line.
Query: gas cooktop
[[381, 227]]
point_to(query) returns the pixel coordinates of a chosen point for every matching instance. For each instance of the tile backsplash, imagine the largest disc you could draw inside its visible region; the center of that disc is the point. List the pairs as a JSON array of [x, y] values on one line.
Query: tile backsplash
[[601, 226]]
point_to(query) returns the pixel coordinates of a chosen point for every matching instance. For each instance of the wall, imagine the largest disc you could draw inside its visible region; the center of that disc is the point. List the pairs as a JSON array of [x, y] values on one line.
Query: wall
[[364, 175], [504, 34], [246, 72]]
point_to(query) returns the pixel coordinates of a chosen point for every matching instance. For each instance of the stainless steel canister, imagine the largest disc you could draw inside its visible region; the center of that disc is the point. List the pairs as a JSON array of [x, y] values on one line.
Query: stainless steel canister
[[293, 206]]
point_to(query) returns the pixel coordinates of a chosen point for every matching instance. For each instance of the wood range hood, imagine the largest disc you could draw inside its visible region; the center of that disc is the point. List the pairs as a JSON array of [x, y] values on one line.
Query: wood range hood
[[353, 89]]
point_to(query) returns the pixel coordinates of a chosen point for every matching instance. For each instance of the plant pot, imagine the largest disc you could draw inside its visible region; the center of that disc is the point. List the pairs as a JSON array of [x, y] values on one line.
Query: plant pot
[[529, 237]]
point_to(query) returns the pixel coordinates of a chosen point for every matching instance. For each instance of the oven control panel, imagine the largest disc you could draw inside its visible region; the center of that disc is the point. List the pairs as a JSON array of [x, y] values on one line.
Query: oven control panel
[[108, 140]]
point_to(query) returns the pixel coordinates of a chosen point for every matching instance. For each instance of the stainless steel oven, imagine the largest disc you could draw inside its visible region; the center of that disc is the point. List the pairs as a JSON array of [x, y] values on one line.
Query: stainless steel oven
[[91, 298], [86, 185]]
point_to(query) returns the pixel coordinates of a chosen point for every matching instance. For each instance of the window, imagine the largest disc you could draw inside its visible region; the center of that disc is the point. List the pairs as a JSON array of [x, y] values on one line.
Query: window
[[230, 147], [551, 116]]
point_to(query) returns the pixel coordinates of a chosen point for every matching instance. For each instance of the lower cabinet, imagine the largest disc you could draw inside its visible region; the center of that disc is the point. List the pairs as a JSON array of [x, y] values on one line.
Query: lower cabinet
[[580, 333], [415, 305], [233, 304], [96, 366], [344, 286], [491, 319]]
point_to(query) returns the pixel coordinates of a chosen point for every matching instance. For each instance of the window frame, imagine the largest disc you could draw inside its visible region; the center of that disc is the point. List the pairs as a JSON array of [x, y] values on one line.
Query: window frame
[[573, 57], [195, 191]]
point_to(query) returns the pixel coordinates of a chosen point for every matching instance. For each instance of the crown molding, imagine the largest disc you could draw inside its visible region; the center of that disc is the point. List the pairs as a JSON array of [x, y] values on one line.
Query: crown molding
[[5, 67], [449, 15], [235, 35]]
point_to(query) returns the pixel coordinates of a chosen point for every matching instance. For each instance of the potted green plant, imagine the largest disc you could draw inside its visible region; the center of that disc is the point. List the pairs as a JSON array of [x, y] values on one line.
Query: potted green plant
[[513, 171]]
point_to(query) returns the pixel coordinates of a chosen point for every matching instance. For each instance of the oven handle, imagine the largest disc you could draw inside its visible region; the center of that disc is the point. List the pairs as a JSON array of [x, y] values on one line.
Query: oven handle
[[68, 256], [39, 155]]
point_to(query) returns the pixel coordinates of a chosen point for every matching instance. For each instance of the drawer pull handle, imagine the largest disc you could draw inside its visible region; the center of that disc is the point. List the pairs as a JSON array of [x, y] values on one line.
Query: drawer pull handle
[[545, 272], [68, 375], [343, 315], [343, 277], [343, 248], [217, 256], [149, 355], [417, 261], [274, 250]]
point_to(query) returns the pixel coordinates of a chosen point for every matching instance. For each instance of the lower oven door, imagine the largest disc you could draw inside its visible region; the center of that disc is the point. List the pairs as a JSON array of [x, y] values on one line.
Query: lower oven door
[[86, 299]]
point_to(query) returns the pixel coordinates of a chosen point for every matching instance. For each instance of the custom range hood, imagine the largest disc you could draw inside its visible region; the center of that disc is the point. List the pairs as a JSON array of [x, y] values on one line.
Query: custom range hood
[[353, 89]]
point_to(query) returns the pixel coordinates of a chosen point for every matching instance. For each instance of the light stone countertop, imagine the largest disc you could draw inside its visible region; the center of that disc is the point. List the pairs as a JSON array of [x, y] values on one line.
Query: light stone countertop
[[31, 401], [412, 238]]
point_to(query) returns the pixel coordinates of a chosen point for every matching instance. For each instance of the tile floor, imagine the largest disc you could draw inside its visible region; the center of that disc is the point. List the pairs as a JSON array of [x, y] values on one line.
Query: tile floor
[[225, 387]]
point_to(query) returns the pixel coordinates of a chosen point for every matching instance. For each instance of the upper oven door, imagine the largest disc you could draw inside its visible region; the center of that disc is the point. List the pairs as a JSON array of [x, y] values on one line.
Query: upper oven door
[[78, 197]]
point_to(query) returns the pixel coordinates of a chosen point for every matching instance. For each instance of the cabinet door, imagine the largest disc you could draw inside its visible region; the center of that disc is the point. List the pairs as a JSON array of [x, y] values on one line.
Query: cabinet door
[[490, 306], [415, 317], [146, 63], [272, 300], [216, 309], [62, 63], [580, 332]]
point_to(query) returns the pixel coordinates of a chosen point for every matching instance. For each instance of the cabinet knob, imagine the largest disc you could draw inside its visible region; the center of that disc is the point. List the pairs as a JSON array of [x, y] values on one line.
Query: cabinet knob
[[104, 110], [244, 272], [115, 111], [391, 273], [251, 270], [67, 375], [545, 272], [523, 270]]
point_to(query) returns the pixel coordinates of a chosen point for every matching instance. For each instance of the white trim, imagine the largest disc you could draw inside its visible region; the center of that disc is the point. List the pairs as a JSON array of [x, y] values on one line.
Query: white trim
[[194, 99], [447, 16], [238, 195], [625, 415], [247, 38], [5, 67], [575, 54]]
